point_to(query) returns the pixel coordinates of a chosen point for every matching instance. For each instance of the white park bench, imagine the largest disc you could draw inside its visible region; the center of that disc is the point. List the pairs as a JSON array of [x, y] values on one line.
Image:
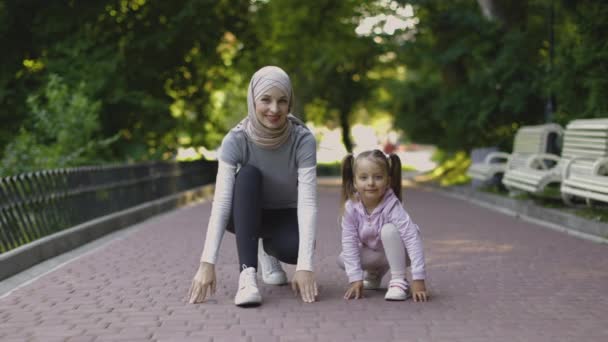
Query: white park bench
[[529, 140], [542, 170], [585, 175]]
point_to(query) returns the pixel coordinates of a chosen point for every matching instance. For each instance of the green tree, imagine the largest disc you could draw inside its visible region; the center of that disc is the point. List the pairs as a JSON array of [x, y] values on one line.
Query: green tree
[[316, 43], [61, 131], [471, 81], [151, 64], [581, 60], [174, 74]]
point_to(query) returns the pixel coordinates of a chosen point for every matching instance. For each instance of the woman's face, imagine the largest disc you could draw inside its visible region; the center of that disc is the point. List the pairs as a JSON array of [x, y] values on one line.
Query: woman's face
[[272, 107]]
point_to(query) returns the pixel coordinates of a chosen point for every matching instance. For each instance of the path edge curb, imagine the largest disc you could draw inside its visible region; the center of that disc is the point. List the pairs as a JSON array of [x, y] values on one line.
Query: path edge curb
[[528, 211]]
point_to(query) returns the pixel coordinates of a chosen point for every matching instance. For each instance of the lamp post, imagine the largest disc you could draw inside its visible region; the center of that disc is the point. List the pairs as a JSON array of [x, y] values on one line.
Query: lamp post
[[550, 107]]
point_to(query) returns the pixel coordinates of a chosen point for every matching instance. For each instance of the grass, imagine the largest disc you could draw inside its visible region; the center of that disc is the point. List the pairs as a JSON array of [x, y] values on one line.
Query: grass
[[451, 171], [593, 214], [551, 199]]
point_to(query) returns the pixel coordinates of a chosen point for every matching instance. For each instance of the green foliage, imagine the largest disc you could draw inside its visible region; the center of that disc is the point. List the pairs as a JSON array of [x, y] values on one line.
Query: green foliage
[[152, 65], [473, 81], [171, 74], [467, 80], [329, 169], [63, 116], [60, 133], [451, 170], [596, 213], [579, 79]]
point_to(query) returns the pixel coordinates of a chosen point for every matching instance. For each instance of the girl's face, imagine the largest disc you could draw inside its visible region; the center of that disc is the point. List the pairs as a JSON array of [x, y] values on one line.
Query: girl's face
[[371, 181], [272, 107]]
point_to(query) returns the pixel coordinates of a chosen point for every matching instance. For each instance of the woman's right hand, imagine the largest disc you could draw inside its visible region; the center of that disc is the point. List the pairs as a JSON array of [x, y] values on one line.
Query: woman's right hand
[[203, 284]]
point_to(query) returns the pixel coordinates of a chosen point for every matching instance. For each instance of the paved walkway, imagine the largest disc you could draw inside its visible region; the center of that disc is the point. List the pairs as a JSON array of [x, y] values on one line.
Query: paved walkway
[[492, 278]]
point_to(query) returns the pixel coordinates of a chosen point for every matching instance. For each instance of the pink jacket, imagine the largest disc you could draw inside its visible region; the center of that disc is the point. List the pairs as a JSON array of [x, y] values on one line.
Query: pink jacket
[[360, 229]]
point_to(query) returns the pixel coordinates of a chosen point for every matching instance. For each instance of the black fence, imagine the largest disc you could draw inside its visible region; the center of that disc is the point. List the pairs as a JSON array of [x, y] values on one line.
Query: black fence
[[37, 204]]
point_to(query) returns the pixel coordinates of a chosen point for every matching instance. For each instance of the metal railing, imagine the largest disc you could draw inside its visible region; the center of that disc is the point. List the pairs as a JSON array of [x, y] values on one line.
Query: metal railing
[[37, 204]]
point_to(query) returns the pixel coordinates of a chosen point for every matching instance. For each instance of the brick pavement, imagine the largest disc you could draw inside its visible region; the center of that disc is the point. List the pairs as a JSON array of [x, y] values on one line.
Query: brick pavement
[[492, 277]]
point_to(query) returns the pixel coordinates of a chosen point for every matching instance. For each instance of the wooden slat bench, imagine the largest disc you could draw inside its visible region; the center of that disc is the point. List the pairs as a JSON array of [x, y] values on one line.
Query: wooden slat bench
[[529, 140]]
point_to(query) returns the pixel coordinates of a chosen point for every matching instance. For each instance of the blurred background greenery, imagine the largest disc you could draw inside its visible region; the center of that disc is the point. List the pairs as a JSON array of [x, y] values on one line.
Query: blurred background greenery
[[113, 81]]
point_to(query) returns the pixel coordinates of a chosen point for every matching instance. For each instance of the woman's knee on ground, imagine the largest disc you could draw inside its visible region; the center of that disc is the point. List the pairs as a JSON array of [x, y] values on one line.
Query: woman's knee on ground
[[340, 261], [285, 250]]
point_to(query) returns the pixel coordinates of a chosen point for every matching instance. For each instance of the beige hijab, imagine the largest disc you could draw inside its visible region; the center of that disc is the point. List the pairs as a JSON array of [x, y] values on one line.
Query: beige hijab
[[262, 80]]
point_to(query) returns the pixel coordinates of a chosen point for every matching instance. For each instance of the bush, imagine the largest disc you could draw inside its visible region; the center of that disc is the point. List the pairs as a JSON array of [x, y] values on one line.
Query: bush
[[60, 131]]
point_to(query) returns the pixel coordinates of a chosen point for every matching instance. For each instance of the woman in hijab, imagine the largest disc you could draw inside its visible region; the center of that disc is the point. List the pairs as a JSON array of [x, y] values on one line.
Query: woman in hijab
[[265, 191]]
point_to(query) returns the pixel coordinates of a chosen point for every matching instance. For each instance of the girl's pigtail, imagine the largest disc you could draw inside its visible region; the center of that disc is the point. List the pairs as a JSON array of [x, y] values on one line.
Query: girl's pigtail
[[348, 187], [395, 174]]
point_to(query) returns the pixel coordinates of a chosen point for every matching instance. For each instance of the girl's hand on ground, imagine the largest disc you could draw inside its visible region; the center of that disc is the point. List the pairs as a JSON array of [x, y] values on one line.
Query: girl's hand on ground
[[203, 284], [304, 283], [419, 293], [355, 291]]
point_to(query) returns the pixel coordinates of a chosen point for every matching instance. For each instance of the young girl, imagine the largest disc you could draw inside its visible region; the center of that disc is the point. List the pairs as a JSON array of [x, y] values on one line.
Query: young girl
[[377, 232]]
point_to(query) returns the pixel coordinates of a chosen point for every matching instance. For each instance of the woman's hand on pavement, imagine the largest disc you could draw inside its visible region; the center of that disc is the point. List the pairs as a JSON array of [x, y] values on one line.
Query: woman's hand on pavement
[[303, 282], [203, 284]]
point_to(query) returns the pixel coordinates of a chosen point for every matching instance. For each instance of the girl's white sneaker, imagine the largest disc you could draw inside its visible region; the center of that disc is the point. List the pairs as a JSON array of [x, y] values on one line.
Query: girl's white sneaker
[[248, 294], [398, 289]]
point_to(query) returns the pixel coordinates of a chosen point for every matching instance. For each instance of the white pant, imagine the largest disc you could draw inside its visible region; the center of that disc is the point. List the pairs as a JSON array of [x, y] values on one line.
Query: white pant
[[394, 255]]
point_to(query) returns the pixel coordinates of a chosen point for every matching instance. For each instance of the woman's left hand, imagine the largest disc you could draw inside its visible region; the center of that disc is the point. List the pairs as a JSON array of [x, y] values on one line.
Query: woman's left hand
[[304, 283]]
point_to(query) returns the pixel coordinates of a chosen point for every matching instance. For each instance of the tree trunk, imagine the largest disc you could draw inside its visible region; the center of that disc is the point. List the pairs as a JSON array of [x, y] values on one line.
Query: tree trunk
[[345, 124]]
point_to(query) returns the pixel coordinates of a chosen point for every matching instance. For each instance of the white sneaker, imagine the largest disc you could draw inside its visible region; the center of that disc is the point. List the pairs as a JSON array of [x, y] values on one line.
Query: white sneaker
[[248, 294], [272, 272], [398, 289], [373, 278]]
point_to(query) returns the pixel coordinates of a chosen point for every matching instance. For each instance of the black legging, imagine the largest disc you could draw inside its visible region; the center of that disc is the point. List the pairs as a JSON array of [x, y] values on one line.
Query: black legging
[[277, 227]]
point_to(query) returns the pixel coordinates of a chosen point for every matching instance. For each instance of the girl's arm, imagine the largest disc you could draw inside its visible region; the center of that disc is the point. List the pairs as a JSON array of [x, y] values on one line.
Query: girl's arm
[[350, 245], [412, 239], [220, 211]]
